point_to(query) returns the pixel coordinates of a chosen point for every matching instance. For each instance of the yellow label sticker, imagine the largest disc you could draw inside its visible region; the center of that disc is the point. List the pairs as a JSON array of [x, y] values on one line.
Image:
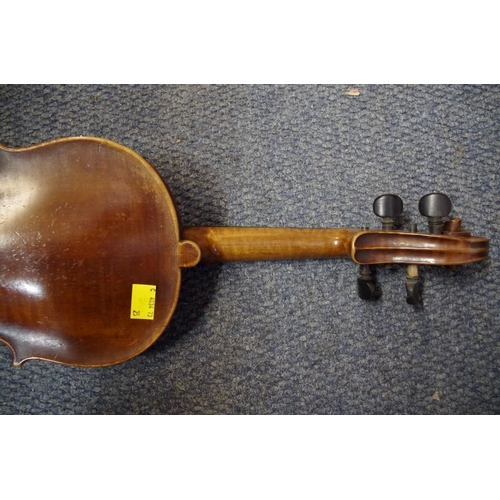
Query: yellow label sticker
[[143, 302]]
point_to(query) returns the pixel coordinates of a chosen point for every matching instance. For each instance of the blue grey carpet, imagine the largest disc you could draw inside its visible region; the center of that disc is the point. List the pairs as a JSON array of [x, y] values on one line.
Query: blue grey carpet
[[291, 337]]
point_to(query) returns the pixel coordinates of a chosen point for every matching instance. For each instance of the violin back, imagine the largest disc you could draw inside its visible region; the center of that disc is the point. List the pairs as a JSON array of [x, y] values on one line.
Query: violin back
[[83, 220]]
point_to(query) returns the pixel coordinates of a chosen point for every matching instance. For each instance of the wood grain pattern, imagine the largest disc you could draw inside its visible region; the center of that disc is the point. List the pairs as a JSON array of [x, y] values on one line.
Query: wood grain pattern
[[81, 221], [397, 247], [226, 244]]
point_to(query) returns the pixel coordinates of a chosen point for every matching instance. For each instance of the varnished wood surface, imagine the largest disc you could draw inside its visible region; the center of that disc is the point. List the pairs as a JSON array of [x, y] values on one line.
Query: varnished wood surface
[[397, 247], [226, 244], [81, 220]]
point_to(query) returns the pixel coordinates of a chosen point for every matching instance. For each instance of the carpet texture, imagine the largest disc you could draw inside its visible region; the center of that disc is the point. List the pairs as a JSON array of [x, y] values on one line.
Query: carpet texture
[[291, 337]]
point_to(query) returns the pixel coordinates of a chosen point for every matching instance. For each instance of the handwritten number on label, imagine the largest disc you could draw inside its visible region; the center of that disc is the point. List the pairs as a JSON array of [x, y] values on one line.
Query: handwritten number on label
[[143, 302]]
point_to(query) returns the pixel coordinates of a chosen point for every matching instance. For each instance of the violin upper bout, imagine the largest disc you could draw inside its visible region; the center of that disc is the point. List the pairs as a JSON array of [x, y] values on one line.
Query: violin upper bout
[[397, 247]]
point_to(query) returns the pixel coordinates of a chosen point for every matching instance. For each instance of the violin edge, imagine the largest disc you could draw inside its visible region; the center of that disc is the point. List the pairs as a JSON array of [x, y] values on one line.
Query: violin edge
[[70, 138]]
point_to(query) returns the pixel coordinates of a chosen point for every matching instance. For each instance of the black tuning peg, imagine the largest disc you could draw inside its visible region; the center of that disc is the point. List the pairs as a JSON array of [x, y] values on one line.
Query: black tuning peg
[[368, 287], [388, 207], [435, 206]]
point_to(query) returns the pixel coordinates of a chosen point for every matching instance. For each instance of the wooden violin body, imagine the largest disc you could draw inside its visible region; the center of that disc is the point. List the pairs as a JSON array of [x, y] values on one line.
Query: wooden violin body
[[81, 221], [91, 251]]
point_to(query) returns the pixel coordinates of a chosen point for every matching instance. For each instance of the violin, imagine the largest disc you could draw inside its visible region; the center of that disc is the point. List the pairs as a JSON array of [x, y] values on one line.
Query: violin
[[92, 250]]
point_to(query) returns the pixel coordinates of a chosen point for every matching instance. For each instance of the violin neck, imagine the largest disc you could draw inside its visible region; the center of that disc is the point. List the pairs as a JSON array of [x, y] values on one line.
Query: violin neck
[[229, 244]]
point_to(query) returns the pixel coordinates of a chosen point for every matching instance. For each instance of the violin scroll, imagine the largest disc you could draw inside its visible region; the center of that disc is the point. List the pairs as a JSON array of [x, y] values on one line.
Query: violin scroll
[[445, 245], [401, 247]]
